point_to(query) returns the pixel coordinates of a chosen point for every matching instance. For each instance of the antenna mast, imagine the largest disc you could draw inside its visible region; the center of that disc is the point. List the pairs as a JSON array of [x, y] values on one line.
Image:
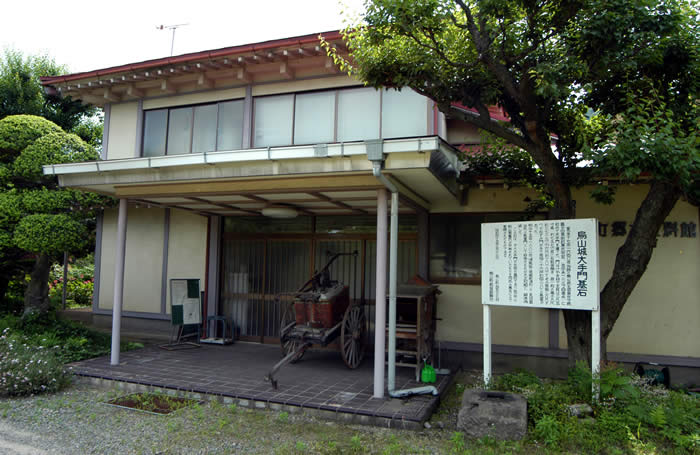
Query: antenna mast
[[173, 28]]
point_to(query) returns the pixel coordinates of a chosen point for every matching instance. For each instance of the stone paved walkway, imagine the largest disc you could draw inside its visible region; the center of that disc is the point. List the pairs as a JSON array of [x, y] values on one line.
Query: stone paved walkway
[[320, 381]]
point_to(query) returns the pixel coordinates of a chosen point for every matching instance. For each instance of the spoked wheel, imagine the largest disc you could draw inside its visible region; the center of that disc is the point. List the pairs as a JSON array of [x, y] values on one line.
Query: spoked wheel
[[352, 336], [286, 325]]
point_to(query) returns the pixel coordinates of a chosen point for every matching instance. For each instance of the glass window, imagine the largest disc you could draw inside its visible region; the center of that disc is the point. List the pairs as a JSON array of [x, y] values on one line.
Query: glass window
[[273, 120], [230, 129], [314, 118], [455, 245], [404, 113], [358, 114], [180, 131], [155, 124], [204, 133]]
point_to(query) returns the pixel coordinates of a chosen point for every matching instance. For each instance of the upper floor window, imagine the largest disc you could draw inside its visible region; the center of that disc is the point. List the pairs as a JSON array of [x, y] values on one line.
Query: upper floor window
[[338, 116], [193, 129], [343, 115]]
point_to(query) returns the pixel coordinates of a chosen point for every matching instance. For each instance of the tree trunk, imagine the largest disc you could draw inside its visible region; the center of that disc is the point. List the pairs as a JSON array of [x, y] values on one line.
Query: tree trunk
[[4, 283], [36, 297], [630, 264]]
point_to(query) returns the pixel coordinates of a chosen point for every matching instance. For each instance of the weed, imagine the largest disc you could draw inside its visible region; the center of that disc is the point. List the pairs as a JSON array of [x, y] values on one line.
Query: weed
[[356, 443], [457, 442], [283, 417], [516, 382]]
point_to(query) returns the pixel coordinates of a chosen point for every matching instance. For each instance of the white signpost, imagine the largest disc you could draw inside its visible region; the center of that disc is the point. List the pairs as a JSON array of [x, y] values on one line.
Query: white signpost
[[541, 264]]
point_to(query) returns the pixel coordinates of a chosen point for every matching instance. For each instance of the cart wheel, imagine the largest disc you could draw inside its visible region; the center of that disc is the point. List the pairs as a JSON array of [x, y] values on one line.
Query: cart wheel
[[352, 336], [289, 346]]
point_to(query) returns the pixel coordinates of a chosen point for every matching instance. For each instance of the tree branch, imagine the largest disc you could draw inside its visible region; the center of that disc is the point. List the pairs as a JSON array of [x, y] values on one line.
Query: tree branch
[[485, 122]]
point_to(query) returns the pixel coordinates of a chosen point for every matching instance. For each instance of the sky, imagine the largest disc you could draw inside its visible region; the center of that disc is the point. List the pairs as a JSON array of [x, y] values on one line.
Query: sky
[[95, 34]]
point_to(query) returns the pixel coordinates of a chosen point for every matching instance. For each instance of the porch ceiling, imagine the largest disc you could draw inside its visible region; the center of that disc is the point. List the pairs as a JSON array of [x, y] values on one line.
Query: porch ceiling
[[317, 201]]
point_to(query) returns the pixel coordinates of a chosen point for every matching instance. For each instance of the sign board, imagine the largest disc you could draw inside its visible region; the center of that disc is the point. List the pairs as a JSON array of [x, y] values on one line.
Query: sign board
[[185, 303], [540, 264]]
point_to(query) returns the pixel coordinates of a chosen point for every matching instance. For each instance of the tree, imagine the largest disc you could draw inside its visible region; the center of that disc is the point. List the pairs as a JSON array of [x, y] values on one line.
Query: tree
[[37, 218], [22, 93], [611, 81]]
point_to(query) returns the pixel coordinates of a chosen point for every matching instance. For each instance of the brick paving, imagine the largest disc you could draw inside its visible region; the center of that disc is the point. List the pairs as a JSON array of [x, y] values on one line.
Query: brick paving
[[319, 381]]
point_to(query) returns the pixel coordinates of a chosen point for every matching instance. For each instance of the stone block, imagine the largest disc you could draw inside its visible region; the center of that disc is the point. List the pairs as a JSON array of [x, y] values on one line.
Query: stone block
[[498, 415]]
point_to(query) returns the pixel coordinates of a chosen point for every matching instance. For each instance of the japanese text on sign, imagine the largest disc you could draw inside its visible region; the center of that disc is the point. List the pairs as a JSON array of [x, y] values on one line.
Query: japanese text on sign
[[542, 264]]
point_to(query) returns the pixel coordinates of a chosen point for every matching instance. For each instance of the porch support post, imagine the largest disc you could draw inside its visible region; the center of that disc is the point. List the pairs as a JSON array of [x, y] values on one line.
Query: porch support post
[[380, 295], [393, 273], [120, 254]]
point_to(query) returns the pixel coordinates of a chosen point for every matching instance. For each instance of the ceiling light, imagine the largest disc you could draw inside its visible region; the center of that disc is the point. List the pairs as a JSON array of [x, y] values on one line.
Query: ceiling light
[[280, 212]]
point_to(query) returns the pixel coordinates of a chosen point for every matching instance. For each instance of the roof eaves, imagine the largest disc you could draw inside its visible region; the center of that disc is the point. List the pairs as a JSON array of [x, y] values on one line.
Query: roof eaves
[[215, 53]]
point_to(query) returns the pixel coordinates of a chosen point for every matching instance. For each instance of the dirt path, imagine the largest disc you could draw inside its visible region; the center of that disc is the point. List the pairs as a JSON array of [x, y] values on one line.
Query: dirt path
[[16, 441]]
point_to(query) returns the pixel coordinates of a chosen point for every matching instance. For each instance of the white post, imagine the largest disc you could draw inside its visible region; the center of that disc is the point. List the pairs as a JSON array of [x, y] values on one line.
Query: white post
[[393, 266], [487, 344], [120, 253], [380, 296], [595, 350]]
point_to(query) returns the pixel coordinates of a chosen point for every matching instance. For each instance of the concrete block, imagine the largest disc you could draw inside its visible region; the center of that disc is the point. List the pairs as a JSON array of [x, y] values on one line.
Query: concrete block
[[498, 415]]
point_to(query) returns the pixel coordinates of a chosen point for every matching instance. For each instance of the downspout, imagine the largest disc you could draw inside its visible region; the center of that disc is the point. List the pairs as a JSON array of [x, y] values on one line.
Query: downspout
[[377, 165]]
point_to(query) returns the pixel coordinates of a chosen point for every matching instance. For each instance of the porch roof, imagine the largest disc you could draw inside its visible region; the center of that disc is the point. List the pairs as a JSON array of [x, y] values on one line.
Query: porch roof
[[326, 179]]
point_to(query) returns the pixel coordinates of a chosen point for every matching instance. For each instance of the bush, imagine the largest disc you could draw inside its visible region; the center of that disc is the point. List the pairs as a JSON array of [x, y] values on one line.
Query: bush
[[630, 413], [80, 284], [26, 369], [76, 341], [517, 381]]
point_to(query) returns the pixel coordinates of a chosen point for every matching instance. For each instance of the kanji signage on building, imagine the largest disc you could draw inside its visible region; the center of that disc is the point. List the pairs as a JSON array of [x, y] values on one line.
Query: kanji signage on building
[[540, 264]]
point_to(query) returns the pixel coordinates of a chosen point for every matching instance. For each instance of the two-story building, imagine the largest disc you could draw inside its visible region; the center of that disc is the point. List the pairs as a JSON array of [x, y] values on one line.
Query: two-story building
[[243, 166]]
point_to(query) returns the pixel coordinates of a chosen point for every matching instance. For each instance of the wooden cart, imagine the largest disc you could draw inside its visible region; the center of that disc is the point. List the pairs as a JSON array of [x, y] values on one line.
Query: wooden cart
[[318, 313]]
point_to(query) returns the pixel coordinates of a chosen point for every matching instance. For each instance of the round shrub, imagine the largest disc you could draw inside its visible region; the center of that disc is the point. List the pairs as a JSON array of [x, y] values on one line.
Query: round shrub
[[50, 233], [53, 148], [26, 369], [18, 131]]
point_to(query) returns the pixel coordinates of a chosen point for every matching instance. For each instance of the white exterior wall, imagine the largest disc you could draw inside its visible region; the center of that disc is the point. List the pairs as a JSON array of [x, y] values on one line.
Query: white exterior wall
[[143, 262], [123, 119], [187, 248], [661, 317]]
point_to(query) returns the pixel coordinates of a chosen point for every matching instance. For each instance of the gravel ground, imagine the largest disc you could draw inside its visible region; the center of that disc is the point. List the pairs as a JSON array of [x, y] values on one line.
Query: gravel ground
[[77, 420]]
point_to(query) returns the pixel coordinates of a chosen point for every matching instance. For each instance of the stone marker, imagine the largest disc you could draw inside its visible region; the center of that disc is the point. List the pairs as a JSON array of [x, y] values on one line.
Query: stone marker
[[498, 415]]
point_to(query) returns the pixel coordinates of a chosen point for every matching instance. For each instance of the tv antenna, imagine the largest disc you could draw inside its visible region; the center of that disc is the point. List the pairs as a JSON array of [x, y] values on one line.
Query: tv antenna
[[173, 28]]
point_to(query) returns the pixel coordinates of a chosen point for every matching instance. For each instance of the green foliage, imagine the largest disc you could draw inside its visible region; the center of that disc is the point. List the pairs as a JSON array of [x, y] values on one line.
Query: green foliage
[[56, 148], [80, 284], [549, 66], [35, 215], [21, 91], [27, 369], [517, 381], [90, 130], [19, 131], [76, 341], [52, 234], [630, 414]]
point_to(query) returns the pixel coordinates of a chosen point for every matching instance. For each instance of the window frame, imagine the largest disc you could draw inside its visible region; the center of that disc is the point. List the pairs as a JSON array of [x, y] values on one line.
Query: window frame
[[192, 107]]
